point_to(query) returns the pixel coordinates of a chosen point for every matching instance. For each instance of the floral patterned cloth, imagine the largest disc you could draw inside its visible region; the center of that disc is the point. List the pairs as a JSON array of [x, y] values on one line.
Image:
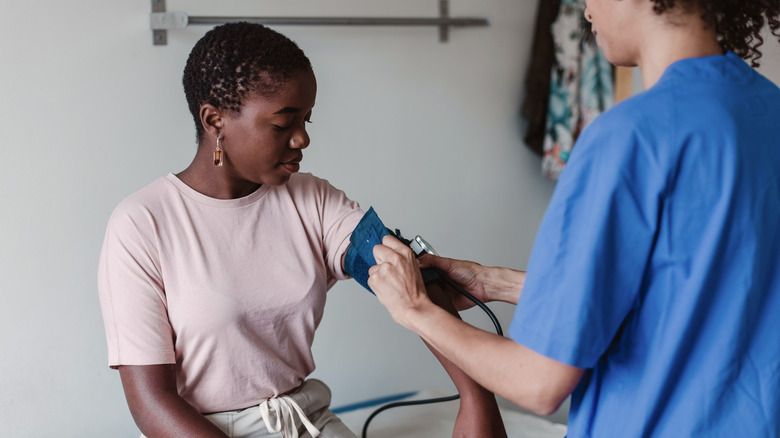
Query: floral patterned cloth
[[582, 85]]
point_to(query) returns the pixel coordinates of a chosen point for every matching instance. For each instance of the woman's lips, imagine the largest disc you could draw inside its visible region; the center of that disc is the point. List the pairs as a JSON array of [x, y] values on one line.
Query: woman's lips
[[293, 165]]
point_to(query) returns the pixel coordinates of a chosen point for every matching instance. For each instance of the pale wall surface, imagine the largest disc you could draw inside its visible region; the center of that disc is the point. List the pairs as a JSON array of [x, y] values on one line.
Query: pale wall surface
[[427, 133], [91, 112]]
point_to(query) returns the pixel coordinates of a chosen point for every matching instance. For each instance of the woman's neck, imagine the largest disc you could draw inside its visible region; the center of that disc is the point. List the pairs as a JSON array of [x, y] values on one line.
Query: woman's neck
[[203, 177]]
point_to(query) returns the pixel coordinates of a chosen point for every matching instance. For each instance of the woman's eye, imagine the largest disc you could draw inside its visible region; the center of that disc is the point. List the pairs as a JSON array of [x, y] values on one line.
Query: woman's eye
[[308, 121], [281, 128]]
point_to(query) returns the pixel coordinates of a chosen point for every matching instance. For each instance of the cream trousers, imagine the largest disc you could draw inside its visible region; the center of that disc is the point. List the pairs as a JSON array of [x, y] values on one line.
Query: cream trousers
[[303, 413]]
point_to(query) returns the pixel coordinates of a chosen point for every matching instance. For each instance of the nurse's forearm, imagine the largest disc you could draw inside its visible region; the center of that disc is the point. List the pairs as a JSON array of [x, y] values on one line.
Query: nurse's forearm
[[503, 284], [499, 364]]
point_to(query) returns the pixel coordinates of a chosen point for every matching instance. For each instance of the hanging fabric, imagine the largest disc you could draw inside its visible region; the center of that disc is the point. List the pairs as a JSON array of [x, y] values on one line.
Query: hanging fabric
[[581, 85], [537, 78]]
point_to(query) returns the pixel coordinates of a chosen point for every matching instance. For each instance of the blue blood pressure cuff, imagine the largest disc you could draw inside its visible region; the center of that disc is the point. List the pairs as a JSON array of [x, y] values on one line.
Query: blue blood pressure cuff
[[360, 254]]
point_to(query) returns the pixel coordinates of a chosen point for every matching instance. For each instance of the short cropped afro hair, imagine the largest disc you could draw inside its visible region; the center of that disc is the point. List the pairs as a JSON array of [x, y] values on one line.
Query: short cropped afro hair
[[738, 23], [235, 61]]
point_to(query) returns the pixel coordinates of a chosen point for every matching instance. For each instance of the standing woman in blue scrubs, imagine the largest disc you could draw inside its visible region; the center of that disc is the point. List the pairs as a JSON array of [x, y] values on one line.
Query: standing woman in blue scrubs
[[652, 296]]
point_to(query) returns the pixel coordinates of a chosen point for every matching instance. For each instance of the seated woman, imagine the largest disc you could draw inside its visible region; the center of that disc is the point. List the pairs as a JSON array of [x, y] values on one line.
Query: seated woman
[[212, 281]]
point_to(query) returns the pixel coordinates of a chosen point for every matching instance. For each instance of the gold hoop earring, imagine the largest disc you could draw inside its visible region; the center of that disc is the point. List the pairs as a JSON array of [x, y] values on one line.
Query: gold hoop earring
[[218, 153]]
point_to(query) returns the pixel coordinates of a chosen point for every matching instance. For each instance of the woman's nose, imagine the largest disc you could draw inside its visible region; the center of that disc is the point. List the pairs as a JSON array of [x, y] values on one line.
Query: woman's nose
[[300, 140]]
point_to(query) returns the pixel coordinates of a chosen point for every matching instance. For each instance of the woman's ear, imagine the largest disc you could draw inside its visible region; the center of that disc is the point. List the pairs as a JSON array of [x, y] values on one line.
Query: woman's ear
[[211, 119]]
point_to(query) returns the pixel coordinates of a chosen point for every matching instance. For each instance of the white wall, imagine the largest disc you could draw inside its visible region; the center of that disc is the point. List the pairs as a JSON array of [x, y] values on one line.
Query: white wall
[[427, 133], [770, 60]]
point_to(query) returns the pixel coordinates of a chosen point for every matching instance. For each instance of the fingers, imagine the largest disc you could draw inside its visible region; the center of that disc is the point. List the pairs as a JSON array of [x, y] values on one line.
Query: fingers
[[390, 248], [381, 269], [396, 279], [431, 261], [396, 268], [395, 244]]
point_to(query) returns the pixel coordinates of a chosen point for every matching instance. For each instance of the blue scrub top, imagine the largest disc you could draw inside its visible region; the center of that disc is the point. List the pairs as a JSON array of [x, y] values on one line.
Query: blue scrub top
[[657, 264]]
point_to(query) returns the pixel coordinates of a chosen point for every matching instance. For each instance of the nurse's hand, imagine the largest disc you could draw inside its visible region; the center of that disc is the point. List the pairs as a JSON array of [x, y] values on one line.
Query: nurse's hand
[[486, 283], [397, 282], [463, 273]]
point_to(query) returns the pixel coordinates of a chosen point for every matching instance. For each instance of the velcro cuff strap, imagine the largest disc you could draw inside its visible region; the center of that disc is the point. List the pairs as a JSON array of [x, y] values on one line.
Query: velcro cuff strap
[[360, 254]]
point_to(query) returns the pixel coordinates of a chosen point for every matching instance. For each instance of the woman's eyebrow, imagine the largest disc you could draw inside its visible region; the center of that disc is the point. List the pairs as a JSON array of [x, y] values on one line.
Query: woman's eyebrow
[[288, 110]]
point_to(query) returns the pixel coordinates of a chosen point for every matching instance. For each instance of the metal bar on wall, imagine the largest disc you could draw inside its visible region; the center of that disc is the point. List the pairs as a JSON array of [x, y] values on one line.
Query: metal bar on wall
[[161, 21]]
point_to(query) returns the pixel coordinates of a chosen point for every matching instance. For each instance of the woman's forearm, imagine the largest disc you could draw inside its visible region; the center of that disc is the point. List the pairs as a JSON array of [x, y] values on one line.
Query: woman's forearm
[[156, 406], [478, 414]]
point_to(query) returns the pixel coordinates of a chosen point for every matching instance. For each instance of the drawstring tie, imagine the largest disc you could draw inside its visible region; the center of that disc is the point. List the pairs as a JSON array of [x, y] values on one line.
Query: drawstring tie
[[285, 407]]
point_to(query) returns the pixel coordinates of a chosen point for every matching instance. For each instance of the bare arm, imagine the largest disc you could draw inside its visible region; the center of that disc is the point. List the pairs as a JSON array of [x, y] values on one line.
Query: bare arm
[[501, 365], [484, 282], [478, 414], [156, 406]]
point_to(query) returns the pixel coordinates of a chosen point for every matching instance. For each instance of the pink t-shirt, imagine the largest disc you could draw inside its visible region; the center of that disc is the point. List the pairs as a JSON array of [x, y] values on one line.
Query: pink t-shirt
[[231, 291]]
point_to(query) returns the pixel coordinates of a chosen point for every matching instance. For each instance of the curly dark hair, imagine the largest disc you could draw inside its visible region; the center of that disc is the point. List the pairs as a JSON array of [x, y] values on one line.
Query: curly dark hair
[[235, 61], [738, 23]]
